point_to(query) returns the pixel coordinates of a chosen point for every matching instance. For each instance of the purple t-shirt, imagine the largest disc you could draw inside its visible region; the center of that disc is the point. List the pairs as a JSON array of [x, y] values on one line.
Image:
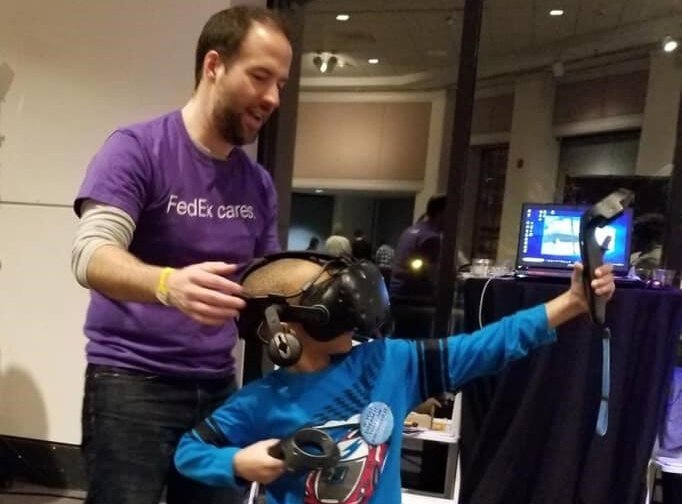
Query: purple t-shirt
[[420, 240], [188, 208]]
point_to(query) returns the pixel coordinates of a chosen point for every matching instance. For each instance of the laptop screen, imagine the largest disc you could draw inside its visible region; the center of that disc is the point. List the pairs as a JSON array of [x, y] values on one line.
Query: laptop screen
[[549, 237]]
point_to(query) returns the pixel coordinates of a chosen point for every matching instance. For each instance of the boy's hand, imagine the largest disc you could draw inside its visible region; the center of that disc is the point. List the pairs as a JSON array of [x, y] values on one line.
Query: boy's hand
[[573, 302], [254, 464], [603, 284]]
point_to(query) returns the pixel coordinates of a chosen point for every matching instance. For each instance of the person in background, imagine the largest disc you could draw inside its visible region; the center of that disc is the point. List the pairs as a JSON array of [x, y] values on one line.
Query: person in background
[[384, 260], [313, 243], [337, 244], [169, 209], [415, 270], [647, 241], [361, 247]]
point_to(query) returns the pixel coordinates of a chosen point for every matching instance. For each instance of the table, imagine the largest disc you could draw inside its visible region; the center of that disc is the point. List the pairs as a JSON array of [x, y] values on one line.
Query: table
[[528, 434], [451, 467], [408, 497]]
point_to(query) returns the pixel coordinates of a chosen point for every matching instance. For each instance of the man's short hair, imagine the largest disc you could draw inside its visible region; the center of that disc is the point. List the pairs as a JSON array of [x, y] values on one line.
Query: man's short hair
[[225, 31], [436, 205]]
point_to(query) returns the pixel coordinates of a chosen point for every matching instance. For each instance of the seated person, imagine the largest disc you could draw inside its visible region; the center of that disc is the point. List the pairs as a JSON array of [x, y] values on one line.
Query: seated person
[[318, 302], [338, 245], [647, 241]]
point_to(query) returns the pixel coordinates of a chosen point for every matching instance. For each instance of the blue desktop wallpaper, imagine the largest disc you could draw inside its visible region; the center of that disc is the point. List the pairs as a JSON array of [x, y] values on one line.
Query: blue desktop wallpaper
[[549, 237]]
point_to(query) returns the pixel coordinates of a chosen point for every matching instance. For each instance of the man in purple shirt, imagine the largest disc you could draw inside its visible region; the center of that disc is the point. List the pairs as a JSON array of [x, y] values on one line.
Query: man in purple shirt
[[170, 209], [415, 268]]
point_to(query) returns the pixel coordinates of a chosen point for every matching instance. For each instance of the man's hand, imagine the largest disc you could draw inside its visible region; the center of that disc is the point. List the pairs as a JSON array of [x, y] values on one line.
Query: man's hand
[[253, 463], [202, 292], [603, 284]]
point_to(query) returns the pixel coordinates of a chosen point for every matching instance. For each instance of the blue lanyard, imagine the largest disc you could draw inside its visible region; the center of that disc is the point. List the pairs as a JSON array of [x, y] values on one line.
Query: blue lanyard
[[603, 418]]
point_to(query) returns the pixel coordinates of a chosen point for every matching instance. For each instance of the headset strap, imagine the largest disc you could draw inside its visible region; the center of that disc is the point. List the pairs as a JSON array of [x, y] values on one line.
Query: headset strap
[[305, 255]]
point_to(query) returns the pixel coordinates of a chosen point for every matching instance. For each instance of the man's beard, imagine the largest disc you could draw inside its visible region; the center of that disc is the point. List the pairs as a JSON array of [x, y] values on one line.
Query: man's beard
[[231, 128]]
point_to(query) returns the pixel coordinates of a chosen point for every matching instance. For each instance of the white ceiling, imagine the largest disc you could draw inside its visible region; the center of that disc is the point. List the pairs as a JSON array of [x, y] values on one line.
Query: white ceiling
[[418, 41]]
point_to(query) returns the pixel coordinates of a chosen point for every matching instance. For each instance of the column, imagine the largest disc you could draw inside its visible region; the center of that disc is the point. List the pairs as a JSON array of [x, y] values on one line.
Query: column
[[533, 156], [659, 127]]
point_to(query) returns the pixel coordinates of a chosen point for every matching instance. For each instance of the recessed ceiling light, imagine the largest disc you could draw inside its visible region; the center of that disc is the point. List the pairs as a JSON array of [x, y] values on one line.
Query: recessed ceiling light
[[437, 53], [669, 44], [556, 12], [342, 17], [373, 61]]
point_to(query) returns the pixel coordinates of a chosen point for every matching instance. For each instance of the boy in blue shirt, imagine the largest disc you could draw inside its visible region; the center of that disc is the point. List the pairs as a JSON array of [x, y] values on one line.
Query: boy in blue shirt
[[306, 307]]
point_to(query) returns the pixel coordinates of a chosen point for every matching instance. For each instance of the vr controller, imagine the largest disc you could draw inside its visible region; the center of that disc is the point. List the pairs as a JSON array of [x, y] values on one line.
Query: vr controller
[[307, 449], [591, 251]]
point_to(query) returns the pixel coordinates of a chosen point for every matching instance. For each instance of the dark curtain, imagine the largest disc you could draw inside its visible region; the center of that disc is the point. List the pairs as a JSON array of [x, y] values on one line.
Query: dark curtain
[[528, 435]]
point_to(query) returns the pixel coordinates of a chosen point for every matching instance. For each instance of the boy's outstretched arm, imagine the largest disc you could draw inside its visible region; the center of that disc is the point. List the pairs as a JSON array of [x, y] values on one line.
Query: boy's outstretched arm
[[446, 364], [572, 303]]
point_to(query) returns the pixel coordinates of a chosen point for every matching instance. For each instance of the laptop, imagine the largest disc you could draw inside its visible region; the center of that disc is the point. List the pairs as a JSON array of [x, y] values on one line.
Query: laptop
[[549, 240]]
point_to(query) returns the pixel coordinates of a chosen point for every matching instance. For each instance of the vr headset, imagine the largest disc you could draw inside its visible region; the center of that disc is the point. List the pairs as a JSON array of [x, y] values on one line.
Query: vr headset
[[351, 297]]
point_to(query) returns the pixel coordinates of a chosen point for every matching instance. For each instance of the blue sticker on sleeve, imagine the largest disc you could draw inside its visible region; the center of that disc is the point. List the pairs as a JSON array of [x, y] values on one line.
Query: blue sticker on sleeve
[[376, 423]]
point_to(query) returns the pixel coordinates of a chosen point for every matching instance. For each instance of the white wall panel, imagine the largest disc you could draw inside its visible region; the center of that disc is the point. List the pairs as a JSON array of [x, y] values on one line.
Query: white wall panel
[[80, 70], [42, 310]]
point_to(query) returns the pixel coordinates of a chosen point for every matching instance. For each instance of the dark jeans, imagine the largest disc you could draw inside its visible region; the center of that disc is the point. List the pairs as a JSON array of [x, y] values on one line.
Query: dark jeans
[[132, 423]]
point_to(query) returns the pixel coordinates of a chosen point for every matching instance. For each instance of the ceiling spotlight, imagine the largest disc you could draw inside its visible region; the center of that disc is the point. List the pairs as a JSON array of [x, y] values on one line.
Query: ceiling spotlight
[[556, 12], [669, 44], [342, 17], [325, 62], [373, 61], [558, 69], [437, 53]]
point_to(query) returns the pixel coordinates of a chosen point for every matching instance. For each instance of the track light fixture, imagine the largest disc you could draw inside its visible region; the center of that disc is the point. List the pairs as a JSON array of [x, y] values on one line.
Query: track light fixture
[[558, 69], [325, 62], [669, 44]]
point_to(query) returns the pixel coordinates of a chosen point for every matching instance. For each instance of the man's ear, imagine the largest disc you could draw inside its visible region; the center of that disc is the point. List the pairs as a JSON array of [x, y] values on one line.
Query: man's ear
[[212, 62]]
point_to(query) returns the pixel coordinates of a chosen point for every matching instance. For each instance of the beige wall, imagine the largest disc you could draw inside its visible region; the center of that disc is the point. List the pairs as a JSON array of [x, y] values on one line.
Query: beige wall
[[433, 182], [385, 140], [599, 98], [492, 114]]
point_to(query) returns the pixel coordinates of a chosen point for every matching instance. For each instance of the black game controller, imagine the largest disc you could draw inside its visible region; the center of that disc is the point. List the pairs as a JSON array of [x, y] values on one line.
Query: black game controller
[[307, 449], [592, 255], [592, 252]]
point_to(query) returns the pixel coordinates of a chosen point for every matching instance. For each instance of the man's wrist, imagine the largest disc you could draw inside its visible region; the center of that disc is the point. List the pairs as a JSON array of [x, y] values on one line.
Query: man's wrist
[[162, 292]]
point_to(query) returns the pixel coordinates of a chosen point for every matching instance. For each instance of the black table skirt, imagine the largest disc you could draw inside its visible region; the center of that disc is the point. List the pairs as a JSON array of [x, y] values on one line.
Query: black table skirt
[[528, 435]]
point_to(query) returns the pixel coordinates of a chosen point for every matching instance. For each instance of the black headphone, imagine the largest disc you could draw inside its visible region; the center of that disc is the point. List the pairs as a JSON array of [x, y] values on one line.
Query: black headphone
[[353, 298]]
